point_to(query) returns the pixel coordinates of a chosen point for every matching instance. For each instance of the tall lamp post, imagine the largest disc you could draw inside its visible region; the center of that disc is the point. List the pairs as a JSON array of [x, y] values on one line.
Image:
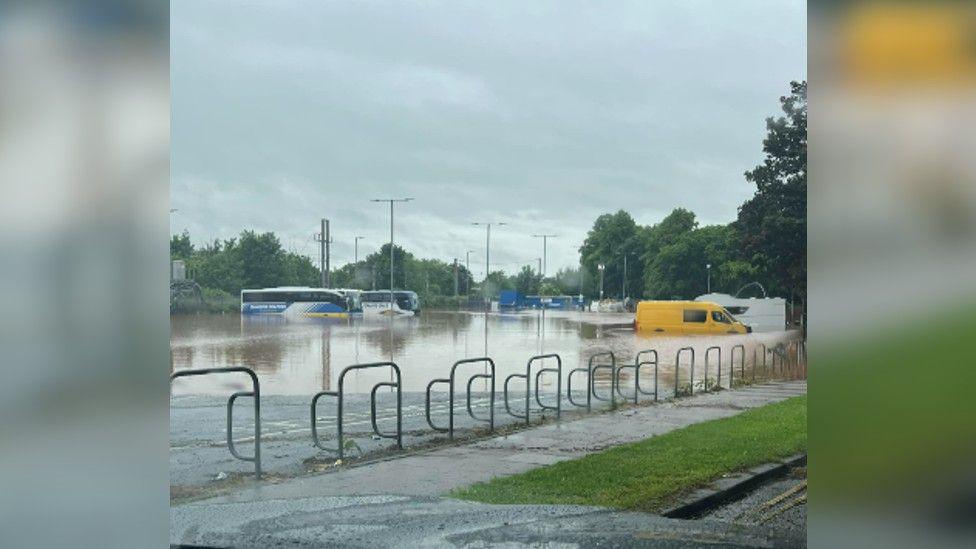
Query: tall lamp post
[[545, 263], [623, 285], [487, 226], [391, 201], [708, 269], [358, 238], [467, 268], [601, 267]]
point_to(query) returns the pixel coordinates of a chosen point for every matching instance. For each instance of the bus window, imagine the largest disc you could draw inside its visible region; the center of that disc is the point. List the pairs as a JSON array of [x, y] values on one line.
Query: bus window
[[719, 316]]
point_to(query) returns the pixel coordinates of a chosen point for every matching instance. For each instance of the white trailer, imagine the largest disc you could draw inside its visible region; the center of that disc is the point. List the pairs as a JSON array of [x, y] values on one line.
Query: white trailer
[[763, 314]]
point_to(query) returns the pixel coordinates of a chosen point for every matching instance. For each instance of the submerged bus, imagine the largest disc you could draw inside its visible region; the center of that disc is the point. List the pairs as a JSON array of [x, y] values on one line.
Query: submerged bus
[[300, 302], [377, 302]]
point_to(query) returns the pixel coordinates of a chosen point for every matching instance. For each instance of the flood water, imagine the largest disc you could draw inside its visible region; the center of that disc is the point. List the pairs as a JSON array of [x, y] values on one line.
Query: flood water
[[303, 357]]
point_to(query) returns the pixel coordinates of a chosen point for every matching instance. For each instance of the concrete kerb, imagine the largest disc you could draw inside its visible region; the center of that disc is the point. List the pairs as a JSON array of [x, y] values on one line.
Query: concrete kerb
[[728, 489]]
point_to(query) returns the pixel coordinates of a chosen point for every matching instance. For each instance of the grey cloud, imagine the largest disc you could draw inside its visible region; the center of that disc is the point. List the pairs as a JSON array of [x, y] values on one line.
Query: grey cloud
[[543, 114]]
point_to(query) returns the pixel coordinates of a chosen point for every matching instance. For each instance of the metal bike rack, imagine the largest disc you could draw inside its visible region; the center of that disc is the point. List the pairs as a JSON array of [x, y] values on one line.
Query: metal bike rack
[[558, 370], [677, 365], [755, 361], [450, 381], [372, 406], [254, 392], [718, 380], [742, 362], [636, 366], [591, 381]]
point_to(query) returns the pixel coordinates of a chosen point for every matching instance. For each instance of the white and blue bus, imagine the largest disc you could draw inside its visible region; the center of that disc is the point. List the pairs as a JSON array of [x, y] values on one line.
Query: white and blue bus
[[300, 302], [377, 302]]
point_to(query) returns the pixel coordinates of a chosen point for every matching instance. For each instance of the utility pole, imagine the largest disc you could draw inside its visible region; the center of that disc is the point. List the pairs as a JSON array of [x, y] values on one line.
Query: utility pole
[[545, 260], [539, 259], [328, 253], [488, 256], [324, 253], [391, 201]]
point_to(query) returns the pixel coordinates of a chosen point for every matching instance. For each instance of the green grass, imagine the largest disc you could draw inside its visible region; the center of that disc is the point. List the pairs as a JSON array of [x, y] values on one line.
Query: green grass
[[645, 475]]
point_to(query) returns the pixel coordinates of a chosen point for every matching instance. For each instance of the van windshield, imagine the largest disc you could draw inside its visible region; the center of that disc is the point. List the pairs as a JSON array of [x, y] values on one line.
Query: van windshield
[[720, 316]]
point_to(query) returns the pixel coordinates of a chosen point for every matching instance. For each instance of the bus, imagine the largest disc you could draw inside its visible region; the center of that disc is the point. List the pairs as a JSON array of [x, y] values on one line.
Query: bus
[[377, 302], [300, 302]]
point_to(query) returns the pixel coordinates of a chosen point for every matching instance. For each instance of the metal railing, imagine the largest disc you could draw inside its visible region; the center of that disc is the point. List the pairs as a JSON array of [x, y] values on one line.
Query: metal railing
[[590, 370], [742, 363], [558, 370], [450, 381], [255, 392], [636, 366], [718, 378], [677, 367], [398, 385]]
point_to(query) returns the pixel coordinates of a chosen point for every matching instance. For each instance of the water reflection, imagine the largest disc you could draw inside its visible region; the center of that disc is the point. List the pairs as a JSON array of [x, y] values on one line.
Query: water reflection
[[300, 358]]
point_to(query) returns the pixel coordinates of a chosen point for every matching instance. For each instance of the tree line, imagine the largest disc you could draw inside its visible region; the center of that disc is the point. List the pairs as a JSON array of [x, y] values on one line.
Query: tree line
[[766, 243], [667, 260]]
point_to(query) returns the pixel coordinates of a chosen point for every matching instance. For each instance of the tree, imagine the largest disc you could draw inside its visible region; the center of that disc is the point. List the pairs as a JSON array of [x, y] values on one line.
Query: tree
[[380, 262], [497, 281], [527, 281], [574, 282], [772, 224], [612, 236], [660, 277], [180, 246], [549, 288]]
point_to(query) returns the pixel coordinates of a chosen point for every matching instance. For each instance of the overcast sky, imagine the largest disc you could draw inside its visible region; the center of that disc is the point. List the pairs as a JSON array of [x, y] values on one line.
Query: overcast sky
[[539, 114]]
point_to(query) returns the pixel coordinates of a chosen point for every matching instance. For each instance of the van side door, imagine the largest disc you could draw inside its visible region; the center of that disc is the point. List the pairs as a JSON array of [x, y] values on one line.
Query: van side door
[[695, 320]]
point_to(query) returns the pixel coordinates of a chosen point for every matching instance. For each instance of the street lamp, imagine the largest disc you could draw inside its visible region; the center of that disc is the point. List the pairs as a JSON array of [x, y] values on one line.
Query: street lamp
[[358, 238], [545, 262], [601, 267], [623, 288], [488, 225], [467, 267], [708, 268], [391, 201]]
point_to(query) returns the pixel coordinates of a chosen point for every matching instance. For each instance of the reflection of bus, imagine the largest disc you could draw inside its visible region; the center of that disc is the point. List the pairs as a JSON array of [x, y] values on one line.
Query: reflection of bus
[[298, 302], [377, 302]]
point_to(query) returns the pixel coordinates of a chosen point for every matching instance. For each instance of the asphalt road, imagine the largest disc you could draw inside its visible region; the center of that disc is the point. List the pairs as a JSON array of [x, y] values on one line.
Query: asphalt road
[[416, 521]]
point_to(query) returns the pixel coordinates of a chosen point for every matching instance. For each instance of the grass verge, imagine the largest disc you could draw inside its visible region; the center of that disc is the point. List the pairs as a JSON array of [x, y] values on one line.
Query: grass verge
[[646, 475]]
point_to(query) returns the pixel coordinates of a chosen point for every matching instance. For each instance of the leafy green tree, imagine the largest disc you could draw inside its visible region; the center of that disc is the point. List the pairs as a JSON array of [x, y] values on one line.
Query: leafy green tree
[[300, 271], [180, 246], [772, 224], [660, 277], [612, 236], [549, 288], [574, 282], [527, 281], [380, 264], [219, 266], [497, 281], [262, 259]]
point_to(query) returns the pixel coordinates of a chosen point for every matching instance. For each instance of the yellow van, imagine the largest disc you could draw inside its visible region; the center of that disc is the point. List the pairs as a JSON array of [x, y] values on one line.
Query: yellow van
[[686, 317]]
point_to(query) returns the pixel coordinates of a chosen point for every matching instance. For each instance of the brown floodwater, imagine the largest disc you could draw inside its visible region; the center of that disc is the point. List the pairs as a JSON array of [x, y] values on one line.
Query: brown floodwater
[[303, 357]]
